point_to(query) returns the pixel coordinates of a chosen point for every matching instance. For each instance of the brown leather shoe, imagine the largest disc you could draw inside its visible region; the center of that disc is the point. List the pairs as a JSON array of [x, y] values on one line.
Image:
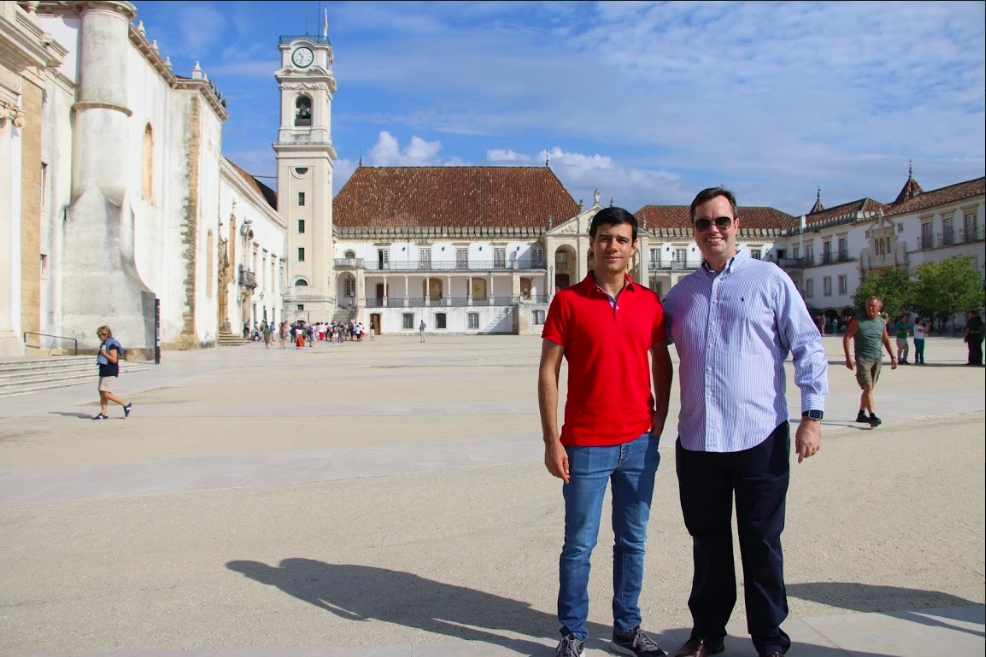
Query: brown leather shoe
[[698, 647]]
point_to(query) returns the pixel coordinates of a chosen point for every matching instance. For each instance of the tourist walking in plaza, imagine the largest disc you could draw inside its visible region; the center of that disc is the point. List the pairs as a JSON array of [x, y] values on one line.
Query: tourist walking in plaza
[[421, 330], [900, 328], [733, 322], [974, 337], [109, 371], [604, 327], [869, 336], [921, 327]]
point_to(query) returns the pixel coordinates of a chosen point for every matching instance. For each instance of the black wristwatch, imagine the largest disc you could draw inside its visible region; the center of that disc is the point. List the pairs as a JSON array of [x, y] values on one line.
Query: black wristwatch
[[813, 415]]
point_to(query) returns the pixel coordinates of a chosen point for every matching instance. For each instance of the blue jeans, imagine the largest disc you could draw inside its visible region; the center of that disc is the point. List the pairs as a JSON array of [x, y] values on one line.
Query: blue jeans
[[631, 468]]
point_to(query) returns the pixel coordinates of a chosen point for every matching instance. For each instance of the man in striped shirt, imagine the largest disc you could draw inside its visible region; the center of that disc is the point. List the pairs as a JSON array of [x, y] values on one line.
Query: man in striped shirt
[[733, 322]]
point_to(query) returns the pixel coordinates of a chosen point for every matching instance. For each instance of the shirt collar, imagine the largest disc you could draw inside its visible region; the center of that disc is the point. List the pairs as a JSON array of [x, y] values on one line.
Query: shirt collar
[[589, 283], [741, 257]]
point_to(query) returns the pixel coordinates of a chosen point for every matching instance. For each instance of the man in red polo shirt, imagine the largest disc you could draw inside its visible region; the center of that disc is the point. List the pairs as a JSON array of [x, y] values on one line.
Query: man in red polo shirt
[[605, 326]]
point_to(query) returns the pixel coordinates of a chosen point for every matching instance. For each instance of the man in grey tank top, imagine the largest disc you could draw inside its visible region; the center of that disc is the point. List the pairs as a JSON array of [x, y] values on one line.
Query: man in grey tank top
[[868, 334]]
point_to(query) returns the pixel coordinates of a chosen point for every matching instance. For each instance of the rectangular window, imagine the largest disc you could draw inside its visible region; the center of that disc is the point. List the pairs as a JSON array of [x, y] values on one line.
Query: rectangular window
[[809, 254], [537, 255], [927, 236], [655, 258], [440, 321], [44, 184], [797, 252], [680, 255], [301, 199], [301, 254], [843, 284], [756, 254], [350, 287], [462, 257], [301, 226], [383, 257], [948, 232], [971, 229], [538, 317], [407, 321], [474, 320], [810, 287], [301, 307], [843, 248], [499, 258], [424, 257], [827, 286]]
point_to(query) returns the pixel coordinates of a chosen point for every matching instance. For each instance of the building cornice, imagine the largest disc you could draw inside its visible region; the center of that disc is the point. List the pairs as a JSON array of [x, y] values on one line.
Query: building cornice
[[235, 179]]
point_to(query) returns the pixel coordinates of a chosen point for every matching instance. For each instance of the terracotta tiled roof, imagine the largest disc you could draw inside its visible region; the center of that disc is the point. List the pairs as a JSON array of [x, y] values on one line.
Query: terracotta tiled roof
[[943, 196], [675, 217], [910, 189], [852, 210], [454, 198], [269, 194]]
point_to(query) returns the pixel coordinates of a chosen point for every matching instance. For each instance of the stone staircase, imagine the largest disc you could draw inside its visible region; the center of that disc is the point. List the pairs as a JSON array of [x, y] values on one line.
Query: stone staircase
[[230, 340], [23, 375]]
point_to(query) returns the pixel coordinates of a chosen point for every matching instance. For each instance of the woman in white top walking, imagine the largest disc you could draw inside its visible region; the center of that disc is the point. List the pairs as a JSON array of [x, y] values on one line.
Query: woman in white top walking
[[921, 327]]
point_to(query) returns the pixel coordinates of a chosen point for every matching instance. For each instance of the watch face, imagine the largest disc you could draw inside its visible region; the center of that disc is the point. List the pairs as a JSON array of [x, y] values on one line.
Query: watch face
[[302, 57]]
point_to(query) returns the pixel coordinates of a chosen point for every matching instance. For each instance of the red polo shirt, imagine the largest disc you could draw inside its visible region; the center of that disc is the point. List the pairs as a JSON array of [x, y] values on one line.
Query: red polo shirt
[[609, 374]]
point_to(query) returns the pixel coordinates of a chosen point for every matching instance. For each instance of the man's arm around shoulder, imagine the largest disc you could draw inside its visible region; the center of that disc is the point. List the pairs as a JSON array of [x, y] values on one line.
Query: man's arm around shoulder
[[549, 371]]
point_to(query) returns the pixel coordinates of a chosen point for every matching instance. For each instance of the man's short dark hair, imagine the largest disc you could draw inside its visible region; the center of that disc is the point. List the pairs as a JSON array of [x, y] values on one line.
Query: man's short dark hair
[[613, 217], [708, 195]]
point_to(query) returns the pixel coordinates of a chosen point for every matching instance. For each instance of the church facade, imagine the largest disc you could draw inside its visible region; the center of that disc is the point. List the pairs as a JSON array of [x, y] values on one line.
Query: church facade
[[118, 207]]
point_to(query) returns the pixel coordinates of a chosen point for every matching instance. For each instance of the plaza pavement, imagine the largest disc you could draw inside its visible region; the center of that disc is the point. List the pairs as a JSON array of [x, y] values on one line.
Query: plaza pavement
[[388, 499]]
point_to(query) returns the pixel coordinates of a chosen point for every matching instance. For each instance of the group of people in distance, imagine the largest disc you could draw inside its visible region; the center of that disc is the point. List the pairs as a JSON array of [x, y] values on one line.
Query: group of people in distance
[[733, 322], [302, 333]]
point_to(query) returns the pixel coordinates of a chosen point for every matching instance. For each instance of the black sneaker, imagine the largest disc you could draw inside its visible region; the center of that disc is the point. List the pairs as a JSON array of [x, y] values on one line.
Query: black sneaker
[[635, 643], [569, 647], [101, 416], [875, 421], [127, 409], [861, 417]]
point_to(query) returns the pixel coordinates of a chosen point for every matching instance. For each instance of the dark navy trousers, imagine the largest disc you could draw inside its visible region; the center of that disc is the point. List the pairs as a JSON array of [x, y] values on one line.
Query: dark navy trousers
[[707, 484]]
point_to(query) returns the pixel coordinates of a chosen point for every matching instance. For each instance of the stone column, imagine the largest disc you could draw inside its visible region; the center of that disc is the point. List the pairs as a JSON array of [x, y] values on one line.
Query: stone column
[[100, 280]]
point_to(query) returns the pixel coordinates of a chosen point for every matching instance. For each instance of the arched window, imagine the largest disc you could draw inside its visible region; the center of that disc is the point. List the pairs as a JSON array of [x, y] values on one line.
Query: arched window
[[147, 182], [303, 111], [350, 255], [301, 283]]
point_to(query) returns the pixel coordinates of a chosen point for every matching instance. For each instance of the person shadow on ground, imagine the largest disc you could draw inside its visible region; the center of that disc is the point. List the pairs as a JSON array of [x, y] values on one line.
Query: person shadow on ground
[[895, 601], [360, 593]]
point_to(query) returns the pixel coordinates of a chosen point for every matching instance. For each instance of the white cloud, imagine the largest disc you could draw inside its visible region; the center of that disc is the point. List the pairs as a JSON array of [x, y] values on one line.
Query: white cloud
[[506, 155], [387, 152]]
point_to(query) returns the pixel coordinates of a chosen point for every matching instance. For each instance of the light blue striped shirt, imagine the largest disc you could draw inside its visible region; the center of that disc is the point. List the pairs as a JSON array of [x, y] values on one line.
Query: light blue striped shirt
[[733, 332]]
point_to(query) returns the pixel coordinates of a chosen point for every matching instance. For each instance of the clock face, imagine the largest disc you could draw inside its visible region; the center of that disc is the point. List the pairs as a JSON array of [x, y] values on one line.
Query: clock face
[[302, 57]]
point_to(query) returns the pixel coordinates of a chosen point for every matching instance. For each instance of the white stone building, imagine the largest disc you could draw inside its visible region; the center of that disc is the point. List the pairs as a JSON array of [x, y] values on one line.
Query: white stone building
[[133, 194]]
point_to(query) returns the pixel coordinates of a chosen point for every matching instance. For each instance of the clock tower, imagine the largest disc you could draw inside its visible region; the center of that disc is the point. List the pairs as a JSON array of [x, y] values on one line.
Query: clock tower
[[305, 157]]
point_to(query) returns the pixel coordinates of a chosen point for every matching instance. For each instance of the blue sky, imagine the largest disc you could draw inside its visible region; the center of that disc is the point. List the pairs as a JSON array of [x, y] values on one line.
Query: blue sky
[[648, 102]]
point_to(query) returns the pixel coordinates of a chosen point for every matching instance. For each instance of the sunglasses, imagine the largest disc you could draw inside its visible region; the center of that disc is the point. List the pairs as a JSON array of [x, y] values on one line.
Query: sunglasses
[[705, 223]]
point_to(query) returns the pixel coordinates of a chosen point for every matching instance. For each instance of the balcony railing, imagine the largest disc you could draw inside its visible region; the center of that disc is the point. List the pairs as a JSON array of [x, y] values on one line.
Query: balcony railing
[[248, 278], [349, 263], [951, 238], [453, 302], [673, 265], [791, 263], [451, 265]]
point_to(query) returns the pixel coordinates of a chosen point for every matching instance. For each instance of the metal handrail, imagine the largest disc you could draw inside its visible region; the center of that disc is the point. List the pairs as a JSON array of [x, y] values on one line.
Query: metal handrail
[[56, 337]]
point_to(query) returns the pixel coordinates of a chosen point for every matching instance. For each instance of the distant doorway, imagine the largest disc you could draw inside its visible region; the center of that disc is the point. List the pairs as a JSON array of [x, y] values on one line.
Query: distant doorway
[[375, 323]]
